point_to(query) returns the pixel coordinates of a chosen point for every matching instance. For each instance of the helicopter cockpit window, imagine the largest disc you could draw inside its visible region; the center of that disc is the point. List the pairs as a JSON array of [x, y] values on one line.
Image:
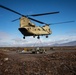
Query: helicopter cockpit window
[[31, 24]]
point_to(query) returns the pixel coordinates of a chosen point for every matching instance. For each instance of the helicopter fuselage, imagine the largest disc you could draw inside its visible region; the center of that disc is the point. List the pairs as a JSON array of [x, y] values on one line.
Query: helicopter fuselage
[[26, 31], [35, 30]]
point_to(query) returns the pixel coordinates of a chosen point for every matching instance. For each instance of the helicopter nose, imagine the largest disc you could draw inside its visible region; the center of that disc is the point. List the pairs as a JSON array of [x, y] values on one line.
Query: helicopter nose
[[23, 31]]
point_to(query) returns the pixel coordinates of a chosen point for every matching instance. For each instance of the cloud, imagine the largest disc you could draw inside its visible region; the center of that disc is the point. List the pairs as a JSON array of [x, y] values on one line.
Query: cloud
[[4, 39], [7, 40], [63, 38], [3, 35], [71, 32], [29, 41]]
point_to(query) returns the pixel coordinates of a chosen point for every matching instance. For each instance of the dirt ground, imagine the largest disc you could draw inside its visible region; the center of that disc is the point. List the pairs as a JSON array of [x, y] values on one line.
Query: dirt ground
[[56, 61]]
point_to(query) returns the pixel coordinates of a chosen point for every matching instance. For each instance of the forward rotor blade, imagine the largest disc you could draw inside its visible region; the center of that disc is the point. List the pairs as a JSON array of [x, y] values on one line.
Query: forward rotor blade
[[44, 14], [20, 14], [61, 22], [10, 10], [15, 20], [31, 19]]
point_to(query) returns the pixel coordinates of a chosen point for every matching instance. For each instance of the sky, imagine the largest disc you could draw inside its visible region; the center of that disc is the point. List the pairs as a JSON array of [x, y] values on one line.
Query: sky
[[10, 35]]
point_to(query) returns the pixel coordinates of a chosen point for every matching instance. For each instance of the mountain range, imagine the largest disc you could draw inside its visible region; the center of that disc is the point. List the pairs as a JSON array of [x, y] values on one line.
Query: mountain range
[[72, 43]]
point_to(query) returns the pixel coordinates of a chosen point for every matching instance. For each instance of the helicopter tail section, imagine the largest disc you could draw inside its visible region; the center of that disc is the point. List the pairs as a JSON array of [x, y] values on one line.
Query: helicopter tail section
[[24, 22]]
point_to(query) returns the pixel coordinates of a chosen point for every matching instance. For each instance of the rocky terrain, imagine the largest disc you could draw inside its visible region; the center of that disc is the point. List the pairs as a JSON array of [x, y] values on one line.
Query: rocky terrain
[[55, 63]]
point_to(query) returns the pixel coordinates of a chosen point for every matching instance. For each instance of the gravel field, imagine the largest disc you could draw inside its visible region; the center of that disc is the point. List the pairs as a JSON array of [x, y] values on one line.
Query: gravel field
[[56, 61]]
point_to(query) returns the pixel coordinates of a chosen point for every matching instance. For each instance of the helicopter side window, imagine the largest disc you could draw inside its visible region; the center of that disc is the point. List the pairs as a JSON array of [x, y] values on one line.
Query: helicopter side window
[[38, 29], [35, 29], [28, 28]]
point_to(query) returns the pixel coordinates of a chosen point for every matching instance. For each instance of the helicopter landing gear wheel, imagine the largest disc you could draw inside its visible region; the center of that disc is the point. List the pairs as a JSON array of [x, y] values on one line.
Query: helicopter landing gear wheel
[[38, 37], [24, 37], [46, 36]]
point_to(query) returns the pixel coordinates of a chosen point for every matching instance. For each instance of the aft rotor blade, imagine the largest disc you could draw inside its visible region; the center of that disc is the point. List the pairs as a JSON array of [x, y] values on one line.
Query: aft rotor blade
[[61, 22], [11, 10], [44, 14]]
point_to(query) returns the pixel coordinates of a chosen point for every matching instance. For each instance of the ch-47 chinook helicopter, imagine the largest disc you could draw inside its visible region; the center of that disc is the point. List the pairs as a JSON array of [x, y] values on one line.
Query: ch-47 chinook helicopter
[[27, 28]]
